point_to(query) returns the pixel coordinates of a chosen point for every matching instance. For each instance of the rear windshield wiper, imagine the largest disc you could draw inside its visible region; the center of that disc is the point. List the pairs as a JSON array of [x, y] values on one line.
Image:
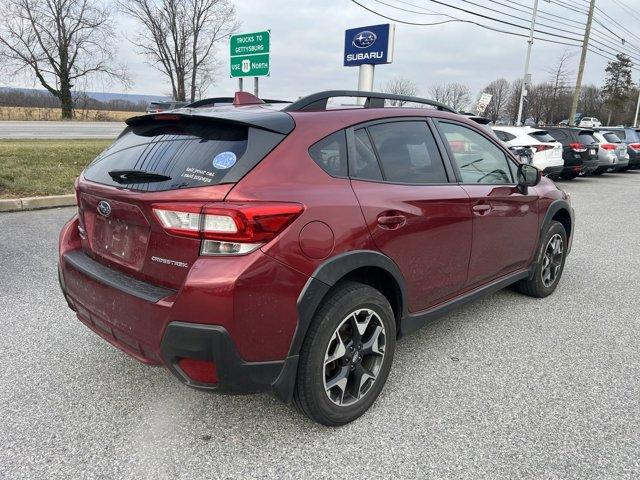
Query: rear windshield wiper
[[137, 176]]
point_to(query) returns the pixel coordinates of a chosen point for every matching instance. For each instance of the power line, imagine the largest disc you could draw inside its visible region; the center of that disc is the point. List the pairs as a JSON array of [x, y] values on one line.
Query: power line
[[598, 47], [619, 24], [631, 12], [569, 6]]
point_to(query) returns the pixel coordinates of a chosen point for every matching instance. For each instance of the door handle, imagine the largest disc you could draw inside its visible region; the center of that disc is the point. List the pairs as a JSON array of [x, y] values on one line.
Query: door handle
[[481, 209], [392, 221]]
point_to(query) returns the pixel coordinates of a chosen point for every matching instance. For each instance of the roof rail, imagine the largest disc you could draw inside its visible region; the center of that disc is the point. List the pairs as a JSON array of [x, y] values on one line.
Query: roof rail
[[210, 102], [318, 101]]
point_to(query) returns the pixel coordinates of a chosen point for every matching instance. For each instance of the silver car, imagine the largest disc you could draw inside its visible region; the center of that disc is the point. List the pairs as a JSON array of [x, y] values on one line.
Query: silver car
[[612, 154]]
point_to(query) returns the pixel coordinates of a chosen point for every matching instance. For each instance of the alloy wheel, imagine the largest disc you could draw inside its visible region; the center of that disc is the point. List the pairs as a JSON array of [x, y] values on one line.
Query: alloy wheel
[[552, 261], [354, 357]]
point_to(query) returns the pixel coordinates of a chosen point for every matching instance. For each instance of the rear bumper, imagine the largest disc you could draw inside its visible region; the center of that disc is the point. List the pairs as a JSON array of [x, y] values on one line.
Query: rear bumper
[[554, 170], [227, 312], [212, 343]]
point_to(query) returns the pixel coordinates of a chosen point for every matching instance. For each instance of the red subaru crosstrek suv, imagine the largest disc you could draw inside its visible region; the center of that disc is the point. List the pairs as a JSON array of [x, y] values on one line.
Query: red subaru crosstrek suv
[[250, 247]]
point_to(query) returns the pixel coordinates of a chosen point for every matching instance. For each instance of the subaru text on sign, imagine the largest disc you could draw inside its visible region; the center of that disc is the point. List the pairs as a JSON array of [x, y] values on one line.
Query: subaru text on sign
[[368, 45]]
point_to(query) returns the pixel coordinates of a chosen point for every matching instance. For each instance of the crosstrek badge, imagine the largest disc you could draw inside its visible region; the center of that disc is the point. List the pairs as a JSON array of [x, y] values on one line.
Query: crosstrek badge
[[224, 160]]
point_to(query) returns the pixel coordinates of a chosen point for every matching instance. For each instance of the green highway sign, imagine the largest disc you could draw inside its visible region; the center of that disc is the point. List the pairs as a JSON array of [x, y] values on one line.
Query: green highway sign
[[249, 54]]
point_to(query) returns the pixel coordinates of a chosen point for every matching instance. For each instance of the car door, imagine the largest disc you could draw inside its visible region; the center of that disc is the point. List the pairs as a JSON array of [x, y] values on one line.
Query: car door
[[414, 213], [505, 220]]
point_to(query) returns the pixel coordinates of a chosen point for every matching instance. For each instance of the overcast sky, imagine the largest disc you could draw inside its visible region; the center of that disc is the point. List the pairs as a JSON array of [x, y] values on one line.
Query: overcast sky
[[308, 38]]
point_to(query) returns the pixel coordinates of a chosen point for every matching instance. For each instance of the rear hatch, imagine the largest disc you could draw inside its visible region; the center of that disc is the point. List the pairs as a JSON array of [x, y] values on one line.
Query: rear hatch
[[591, 144], [158, 161], [548, 147], [620, 148]]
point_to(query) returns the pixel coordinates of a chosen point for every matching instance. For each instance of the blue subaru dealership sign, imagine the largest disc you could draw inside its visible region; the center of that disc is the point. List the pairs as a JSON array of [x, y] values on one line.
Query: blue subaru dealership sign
[[368, 45]]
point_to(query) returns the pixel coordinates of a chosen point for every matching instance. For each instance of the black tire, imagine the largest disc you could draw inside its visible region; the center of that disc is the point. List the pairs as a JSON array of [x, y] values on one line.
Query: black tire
[[538, 286], [310, 396], [568, 176]]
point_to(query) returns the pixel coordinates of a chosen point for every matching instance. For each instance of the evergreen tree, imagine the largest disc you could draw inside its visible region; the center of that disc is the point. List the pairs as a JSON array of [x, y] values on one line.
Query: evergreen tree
[[617, 84]]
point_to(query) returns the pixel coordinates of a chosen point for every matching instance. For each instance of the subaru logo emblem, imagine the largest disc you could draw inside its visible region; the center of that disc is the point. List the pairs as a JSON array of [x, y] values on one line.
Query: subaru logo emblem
[[364, 39], [104, 208]]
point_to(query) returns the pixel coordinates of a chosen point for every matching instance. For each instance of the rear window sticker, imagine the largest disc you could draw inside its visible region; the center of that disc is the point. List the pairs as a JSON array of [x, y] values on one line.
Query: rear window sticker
[[224, 160]]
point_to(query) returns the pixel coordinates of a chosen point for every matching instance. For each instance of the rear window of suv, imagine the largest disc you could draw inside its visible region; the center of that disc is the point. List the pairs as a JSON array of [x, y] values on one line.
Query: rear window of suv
[[587, 138], [192, 153], [611, 137], [542, 136]]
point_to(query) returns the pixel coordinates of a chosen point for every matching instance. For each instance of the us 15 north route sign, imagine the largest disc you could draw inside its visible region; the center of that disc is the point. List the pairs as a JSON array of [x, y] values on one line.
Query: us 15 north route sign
[[249, 54]]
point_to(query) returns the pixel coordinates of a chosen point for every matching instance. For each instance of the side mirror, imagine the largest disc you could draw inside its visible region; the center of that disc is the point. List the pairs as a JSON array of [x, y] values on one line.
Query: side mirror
[[528, 175]]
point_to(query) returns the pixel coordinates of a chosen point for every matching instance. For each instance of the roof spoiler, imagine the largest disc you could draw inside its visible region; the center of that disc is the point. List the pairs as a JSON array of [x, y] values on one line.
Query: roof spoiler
[[237, 100], [277, 122]]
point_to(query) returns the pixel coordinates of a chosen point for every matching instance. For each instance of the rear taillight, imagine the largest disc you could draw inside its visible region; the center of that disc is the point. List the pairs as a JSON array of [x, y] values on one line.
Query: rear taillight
[[607, 146], [542, 148], [578, 147], [227, 228], [635, 146]]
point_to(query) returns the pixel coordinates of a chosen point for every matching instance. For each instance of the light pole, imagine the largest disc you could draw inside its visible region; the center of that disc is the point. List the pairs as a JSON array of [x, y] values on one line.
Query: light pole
[[527, 78]]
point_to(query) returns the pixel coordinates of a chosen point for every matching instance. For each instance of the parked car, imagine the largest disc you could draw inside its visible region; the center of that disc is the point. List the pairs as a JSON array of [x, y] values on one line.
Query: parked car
[[157, 107], [631, 136], [589, 122], [524, 154], [579, 150], [252, 249], [548, 151], [612, 153]]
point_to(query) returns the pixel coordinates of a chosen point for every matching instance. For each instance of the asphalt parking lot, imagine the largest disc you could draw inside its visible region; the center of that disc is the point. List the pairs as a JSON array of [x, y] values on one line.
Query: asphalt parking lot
[[507, 387]]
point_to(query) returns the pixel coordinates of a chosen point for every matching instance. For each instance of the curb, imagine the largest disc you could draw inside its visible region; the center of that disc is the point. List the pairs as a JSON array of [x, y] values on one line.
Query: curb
[[36, 203]]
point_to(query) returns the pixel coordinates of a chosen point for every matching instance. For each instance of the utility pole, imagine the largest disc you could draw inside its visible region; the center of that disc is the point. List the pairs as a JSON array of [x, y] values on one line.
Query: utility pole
[[635, 119], [526, 80], [583, 57]]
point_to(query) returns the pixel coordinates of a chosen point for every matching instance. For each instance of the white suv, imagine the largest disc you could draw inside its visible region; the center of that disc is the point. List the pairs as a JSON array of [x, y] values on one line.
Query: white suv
[[548, 151], [590, 122]]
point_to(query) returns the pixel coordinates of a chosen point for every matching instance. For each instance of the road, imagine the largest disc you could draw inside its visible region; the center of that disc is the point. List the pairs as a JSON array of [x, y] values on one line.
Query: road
[[507, 387], [60, 130]]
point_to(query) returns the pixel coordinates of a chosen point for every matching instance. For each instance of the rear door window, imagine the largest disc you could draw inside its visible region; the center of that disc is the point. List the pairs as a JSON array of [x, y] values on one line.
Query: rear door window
[[330, 154], [365, 164], [191, 153], [408, 153], [542, 136]]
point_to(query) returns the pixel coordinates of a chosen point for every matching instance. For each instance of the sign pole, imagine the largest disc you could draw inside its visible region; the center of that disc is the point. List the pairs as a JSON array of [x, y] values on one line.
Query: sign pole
[[240, 84], [255, 86], [365, 80]]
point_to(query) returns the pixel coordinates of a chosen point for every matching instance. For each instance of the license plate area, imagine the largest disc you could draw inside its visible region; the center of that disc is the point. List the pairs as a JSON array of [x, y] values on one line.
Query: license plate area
[[120, 241]]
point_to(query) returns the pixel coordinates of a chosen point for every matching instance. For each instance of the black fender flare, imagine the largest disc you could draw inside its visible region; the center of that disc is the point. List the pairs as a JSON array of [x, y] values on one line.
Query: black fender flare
[[321, 281], [555, 207]]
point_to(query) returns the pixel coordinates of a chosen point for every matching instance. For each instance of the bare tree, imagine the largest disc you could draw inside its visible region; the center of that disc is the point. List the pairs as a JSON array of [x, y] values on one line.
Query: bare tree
[[559, 76], [179, 37], [499, 89], [60, 42], [455, 95], [400, 86], [513, 102]]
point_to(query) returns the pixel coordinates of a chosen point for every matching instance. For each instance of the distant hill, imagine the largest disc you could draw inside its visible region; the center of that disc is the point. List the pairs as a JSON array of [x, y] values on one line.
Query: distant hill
[[99, 96]]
